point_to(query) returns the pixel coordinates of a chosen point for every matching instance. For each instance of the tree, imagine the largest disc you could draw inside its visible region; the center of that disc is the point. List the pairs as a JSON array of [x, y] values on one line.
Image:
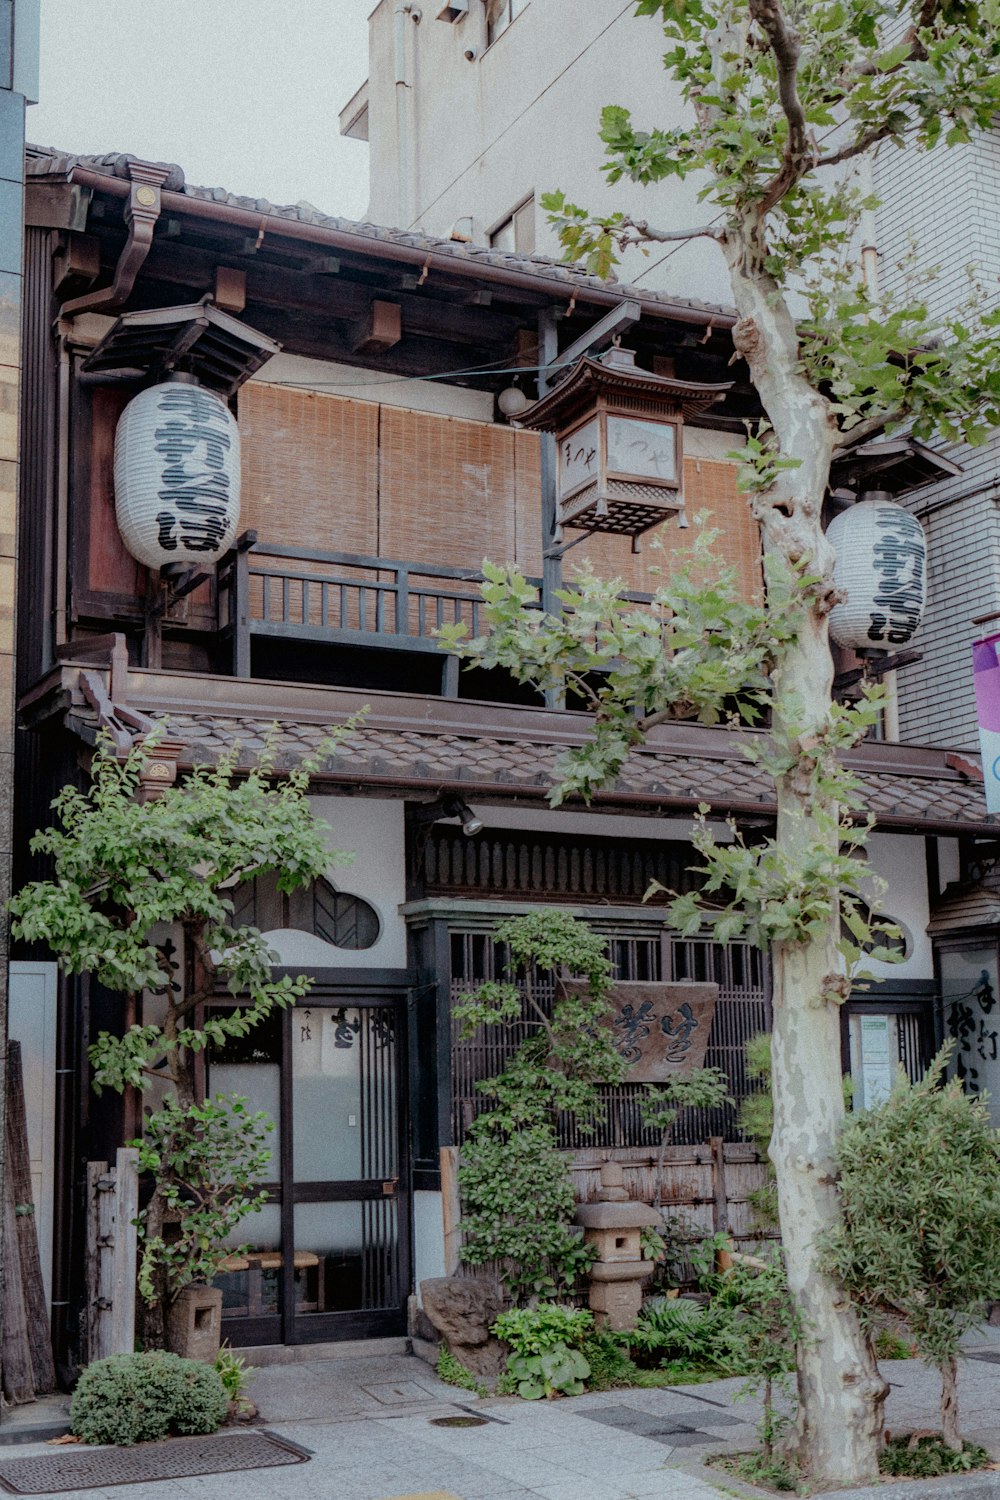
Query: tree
[[782, 98], [920, 1187], [126, 870]]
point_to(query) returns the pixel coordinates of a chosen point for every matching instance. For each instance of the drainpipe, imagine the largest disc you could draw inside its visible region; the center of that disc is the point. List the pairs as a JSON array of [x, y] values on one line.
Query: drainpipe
[[59, 624], [141, 213], [403, 90]]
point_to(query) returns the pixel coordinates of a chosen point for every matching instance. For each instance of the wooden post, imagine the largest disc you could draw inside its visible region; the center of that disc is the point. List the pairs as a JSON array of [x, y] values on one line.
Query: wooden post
[[14, 1352], [720, 1210], [25, 1246], [126, 1241], [451, 1208], [100, 1266]]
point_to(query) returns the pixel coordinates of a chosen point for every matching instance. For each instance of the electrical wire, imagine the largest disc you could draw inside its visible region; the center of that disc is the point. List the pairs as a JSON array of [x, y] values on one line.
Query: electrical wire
[[490, 369]]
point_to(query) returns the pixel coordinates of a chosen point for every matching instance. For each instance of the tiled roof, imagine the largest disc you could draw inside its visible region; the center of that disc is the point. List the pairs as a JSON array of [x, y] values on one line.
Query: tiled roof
[[43, 161], [494, 764]]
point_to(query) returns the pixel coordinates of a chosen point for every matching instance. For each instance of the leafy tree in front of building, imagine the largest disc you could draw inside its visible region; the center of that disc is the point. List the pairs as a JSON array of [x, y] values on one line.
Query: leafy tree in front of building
[[780, 101], [129, 873]]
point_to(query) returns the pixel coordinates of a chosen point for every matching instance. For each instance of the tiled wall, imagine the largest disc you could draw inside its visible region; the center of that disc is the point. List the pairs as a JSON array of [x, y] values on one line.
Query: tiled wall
[[329, 473], [941, 213]]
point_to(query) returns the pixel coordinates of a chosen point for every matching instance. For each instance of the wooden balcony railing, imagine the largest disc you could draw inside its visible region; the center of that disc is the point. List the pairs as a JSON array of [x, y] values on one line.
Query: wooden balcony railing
[[343, 598]]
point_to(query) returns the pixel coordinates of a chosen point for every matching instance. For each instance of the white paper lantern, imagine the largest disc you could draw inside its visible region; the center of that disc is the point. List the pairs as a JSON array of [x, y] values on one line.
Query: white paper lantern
[[177, 475], [882, 566]]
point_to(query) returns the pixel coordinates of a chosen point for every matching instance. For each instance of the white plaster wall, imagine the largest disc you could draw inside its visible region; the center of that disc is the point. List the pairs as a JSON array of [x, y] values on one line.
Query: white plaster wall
[[371, 829], [428, 1237], [900, 859], [522, 118], [333, 379]]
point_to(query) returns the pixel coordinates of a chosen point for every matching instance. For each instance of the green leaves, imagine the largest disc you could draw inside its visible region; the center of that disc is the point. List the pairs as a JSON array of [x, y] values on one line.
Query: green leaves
[[545, 1357], [207, 1161], [920, 1189], [698, 651], [517, 1194], [124, 872]]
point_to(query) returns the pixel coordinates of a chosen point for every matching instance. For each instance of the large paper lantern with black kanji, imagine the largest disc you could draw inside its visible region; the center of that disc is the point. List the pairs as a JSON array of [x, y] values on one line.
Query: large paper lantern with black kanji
[[177, 475], [882, 568]]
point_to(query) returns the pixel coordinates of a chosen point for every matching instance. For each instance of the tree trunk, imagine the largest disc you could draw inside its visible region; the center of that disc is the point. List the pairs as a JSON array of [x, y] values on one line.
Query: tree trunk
[[841, 1393], [949, 1405]]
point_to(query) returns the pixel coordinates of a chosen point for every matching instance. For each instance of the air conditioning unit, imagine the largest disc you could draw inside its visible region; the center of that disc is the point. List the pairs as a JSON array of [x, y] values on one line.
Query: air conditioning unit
[[455, 10]]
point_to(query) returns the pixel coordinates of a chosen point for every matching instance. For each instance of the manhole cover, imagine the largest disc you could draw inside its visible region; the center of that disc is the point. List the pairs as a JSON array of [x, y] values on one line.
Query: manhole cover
[[459, 1421], [175, 1458]]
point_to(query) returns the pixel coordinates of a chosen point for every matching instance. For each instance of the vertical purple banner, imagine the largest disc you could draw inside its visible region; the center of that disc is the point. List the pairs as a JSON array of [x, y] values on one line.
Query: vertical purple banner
[[986, 675]]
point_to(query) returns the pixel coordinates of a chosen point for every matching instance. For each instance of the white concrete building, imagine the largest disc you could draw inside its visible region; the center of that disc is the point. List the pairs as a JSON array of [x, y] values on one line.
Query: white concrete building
[[471, 119]]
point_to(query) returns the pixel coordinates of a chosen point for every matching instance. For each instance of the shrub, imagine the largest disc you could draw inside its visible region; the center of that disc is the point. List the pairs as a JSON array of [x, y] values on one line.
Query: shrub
[[533, 1330], [920, 1187], [545, 1342], [135, 1398]]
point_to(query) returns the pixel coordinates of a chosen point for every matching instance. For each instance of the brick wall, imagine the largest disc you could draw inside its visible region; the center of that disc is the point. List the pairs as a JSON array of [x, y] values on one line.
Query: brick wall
[[333, 474]]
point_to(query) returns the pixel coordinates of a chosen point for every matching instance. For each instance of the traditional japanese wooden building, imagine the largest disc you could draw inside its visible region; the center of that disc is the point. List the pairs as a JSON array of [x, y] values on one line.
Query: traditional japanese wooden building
[[364, 368]]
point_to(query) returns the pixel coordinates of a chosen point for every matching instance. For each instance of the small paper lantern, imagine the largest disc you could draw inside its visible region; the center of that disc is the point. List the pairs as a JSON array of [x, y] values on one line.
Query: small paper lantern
[[881, 566], [177, 475]]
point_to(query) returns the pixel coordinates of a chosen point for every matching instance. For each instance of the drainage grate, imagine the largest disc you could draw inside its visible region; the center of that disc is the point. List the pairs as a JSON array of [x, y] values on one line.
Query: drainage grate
[[175, 1458]]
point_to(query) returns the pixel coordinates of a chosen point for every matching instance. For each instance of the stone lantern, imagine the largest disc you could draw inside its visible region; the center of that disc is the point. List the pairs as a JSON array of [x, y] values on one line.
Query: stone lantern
[[619, 432], [614, 1226]]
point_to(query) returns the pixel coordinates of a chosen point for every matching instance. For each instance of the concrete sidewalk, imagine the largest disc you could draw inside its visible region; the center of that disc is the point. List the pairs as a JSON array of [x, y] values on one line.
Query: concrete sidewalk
[[374, 1427]]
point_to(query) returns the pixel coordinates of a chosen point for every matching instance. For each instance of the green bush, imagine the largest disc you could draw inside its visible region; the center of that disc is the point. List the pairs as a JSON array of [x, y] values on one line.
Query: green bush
[[920, 1188], [545, 1343], [534, 1330], [135, 1398]]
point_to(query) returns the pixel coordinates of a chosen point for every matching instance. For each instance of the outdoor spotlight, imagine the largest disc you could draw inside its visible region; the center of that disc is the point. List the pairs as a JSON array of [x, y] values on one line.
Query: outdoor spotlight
[[456, 807], [448, 805]]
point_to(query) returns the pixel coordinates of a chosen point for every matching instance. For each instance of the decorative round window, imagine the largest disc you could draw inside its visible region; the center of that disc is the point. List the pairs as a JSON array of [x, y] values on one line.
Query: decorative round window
[[903, 944], [337, 917], [343, 920]]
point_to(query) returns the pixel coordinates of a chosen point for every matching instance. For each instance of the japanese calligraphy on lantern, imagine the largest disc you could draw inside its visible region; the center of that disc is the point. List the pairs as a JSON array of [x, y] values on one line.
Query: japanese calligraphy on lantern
[[660, 1029]]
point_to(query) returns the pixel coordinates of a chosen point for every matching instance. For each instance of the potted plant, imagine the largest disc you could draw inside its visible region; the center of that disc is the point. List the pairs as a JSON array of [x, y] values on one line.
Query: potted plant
[[207, 1160]]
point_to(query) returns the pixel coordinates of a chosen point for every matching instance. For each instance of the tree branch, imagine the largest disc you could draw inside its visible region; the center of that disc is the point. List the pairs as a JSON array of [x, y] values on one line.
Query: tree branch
[[643, 230], [864, 142], [868, 427], [785, 47]]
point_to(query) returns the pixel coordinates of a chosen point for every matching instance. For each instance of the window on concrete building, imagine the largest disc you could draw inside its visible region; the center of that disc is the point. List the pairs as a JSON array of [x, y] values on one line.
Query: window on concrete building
[[499, 14], [516, 233]]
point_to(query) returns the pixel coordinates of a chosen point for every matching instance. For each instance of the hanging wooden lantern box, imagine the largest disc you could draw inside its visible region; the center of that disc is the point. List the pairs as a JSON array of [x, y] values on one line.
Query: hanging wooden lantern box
[[619, 432]]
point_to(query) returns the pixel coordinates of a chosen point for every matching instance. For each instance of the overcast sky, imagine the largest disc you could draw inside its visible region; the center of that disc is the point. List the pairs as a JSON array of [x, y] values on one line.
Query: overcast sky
[[244, 94]]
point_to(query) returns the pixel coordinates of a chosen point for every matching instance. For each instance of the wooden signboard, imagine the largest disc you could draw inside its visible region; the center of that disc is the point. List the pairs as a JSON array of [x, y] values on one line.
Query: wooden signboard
[[660, 1029]]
